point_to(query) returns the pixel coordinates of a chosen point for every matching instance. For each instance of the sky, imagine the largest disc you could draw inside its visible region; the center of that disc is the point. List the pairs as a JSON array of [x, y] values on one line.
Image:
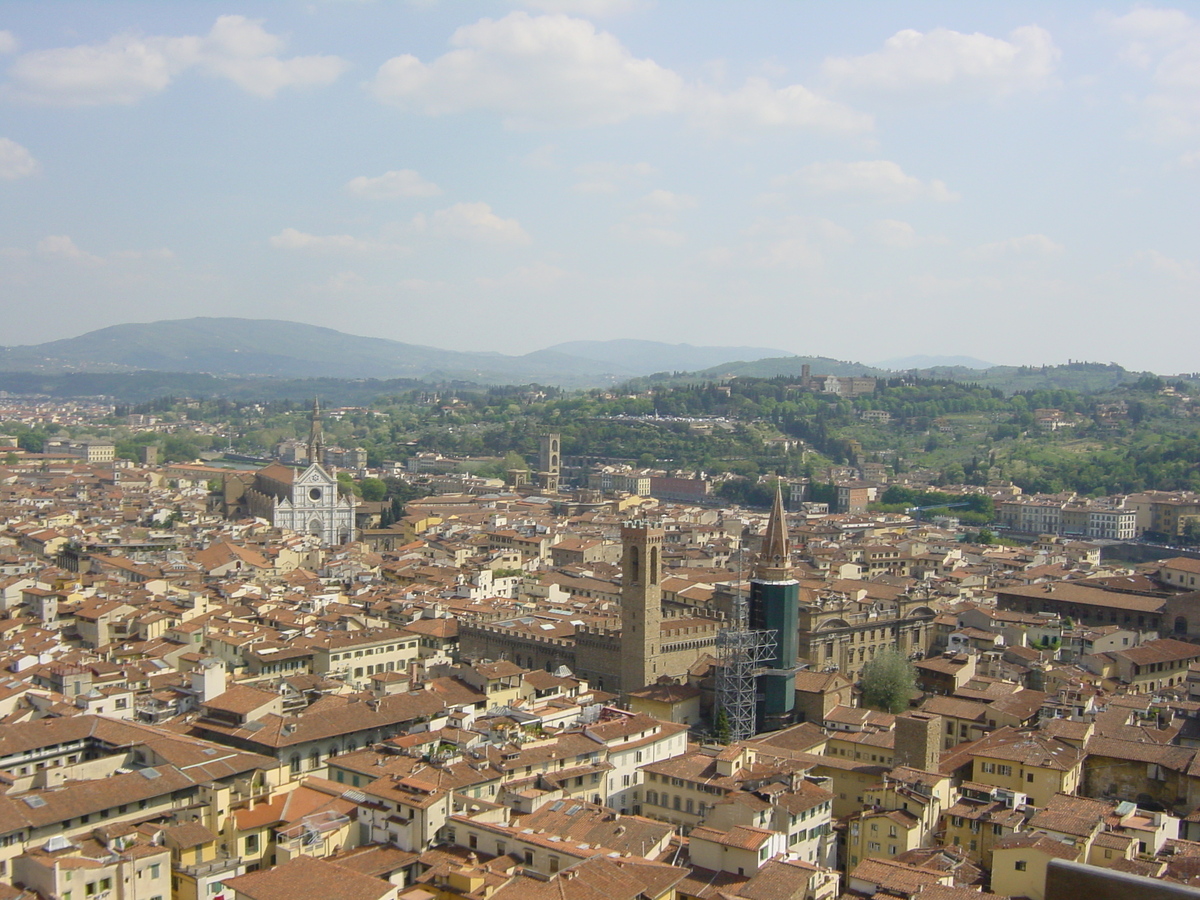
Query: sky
[[1016, 182]]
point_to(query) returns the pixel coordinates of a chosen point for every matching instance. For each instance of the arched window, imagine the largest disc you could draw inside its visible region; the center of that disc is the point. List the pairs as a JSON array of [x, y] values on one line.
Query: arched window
[[654, 565], [635, 565]]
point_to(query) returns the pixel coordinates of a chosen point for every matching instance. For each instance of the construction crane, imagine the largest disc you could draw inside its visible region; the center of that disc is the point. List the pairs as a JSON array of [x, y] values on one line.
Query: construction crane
[[920, 509]]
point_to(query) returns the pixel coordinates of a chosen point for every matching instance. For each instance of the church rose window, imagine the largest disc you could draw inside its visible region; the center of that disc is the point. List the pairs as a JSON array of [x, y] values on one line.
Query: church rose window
[[315, 493]]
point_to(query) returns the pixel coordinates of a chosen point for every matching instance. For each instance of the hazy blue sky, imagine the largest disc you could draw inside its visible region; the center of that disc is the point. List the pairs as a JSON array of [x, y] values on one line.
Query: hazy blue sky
[[1013, 181]]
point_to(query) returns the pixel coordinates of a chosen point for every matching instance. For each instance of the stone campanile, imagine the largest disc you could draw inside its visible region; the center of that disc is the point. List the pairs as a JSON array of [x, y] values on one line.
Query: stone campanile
[[549, 462], [641, 604], [918, 741]]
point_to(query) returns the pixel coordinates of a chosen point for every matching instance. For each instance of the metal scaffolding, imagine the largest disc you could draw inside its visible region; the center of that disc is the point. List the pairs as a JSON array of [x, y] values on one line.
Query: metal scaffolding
[[742, 654]]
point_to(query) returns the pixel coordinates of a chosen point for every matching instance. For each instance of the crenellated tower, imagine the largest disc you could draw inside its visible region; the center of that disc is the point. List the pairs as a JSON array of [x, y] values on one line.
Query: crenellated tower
[[641, 604]]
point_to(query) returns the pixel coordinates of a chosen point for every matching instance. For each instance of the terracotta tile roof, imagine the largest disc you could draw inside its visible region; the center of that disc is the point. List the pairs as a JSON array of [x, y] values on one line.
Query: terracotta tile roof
[[740, 837], [305, 878], [1162, 650]]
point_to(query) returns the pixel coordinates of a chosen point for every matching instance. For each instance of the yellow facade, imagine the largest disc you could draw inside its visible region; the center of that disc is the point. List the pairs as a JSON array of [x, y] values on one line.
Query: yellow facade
[[1038, 783]]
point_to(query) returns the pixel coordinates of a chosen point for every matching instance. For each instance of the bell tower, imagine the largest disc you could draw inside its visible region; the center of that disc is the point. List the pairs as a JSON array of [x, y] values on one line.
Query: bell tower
[[316, 438], [641, 605], [549, 463], [775, 609]]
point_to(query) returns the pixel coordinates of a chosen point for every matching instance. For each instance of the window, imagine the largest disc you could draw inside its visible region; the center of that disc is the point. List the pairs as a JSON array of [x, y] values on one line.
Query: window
[[1003, 770], [1019, 865], [554, 864], [1029, 777], [873, 846], [472, 841], [154, 869], [529, 857], [252, 841]]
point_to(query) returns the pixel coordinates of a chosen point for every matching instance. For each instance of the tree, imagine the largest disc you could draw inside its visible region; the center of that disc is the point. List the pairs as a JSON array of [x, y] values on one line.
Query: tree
[[722, 730], [373, 489], [888, 682], [348, 485]]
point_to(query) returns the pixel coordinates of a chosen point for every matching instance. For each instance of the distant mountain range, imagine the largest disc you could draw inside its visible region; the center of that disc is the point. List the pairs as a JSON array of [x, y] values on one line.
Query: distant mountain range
[[280, 349], [249, 358]]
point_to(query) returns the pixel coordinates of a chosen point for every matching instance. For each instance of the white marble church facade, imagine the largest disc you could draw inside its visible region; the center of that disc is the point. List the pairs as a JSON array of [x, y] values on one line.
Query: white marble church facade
[[308, 501]]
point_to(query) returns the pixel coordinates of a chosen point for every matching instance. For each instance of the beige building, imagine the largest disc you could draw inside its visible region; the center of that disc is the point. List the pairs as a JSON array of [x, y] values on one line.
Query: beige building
[[117, 863], [1022, 762]]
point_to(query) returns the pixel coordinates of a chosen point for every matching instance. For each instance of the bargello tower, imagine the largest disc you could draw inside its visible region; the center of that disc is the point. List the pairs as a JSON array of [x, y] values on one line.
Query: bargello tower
[[641, 604]]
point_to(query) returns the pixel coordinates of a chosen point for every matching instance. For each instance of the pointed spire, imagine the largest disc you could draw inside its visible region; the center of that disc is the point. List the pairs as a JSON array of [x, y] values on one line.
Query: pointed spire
[[774, 559], [316, 440]]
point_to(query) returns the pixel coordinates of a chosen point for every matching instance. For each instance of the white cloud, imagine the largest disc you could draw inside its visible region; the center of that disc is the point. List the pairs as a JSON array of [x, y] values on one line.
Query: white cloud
[[344, 282], [943, 58], [241, 50], [472, 221], [8, 42], [159, 253], [757, 104], [293, 239], [130, 67], [669, 201], [557, 70], [878, 179], [788, 242], [16, 161], [607, 178], [535, 277], [391, 185], [61, 247], [1166, 43], [135, 255], [653, 219], [1180, 270], [532, 70], [900, 235], [649, 233], [1027, 246]]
